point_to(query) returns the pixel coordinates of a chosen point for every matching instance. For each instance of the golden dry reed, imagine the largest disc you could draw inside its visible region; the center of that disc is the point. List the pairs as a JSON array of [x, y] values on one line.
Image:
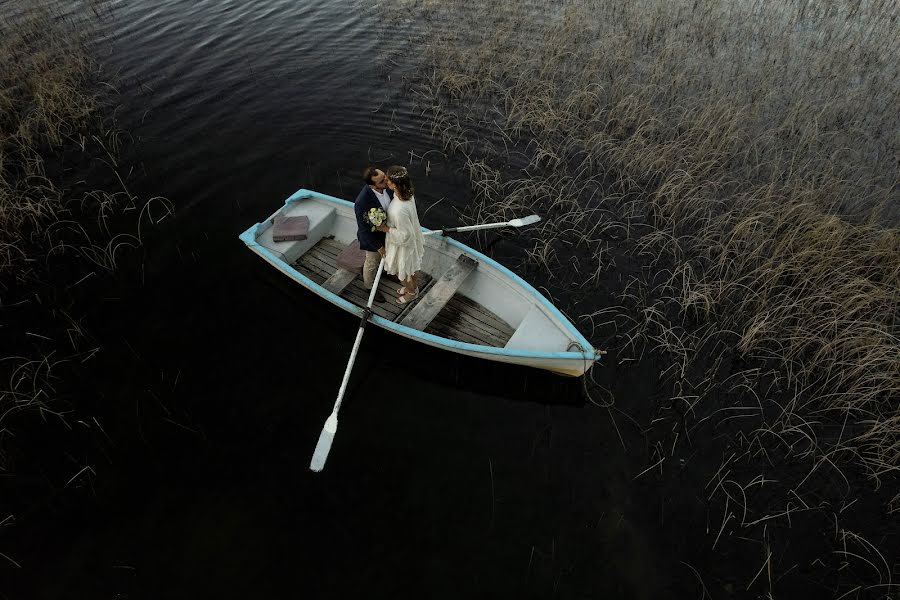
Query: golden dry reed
[[720, 180], [53, 130]]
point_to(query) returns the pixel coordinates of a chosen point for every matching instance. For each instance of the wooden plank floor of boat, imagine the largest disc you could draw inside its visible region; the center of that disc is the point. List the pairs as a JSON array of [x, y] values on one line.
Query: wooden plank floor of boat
[[461, 319]]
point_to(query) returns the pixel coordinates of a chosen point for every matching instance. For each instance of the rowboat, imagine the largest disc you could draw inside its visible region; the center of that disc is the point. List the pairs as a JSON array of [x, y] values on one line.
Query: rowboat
[[468, 303]]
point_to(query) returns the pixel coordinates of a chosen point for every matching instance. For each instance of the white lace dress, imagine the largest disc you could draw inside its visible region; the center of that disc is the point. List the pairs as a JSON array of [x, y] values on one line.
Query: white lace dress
[[404, 247]]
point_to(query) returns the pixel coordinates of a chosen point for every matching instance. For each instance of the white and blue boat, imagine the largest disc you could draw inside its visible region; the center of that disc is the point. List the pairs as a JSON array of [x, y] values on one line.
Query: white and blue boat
[[468, 303]]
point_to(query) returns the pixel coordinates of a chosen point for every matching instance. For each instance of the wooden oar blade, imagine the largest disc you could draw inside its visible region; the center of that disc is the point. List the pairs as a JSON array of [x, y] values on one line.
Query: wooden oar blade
[[530, 220], [323, 446]]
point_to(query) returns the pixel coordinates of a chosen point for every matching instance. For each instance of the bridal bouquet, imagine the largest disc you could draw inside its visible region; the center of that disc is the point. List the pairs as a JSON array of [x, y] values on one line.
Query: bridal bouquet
[[375, 217]]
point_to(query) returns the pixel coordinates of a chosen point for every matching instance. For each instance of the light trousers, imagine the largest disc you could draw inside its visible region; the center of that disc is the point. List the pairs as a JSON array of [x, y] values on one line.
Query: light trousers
[[370, 269]]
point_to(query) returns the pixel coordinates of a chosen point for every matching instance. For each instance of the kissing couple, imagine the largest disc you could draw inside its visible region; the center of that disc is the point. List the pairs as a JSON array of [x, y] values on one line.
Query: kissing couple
[[388, 227]]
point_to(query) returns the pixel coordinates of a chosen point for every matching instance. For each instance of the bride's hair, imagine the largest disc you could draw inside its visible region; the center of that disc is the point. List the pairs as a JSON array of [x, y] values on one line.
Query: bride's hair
[[400, 177]]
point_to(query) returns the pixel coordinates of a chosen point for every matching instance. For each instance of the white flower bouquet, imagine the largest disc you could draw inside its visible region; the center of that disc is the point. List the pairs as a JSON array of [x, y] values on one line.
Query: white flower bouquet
[[375, 217]]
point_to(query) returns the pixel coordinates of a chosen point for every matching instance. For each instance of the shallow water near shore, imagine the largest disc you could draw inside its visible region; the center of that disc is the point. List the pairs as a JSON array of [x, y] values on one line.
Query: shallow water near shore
[[448, 477]]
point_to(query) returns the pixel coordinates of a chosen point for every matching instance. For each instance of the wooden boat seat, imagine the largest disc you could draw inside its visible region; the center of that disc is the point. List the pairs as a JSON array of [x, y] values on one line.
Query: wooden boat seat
[[440, 293], [350, 264], [340, 280], [537, 332]]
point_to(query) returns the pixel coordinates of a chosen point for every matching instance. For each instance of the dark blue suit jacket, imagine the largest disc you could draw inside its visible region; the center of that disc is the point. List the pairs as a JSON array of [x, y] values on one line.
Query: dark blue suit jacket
[[368, 239]]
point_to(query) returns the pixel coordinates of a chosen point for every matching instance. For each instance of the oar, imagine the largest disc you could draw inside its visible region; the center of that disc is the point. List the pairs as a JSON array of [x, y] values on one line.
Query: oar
[[514, 223], [323, 447]]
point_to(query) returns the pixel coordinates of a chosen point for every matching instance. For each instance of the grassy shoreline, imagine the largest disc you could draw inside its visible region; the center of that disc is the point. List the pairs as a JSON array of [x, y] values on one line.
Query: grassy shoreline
[[720, 188]]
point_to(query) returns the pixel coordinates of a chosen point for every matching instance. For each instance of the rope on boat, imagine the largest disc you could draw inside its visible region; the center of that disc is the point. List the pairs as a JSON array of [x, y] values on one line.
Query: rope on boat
[[588, 379]]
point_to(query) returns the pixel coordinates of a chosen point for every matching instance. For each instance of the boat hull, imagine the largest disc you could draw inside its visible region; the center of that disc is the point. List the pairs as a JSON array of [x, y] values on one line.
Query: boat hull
[[574, 361]]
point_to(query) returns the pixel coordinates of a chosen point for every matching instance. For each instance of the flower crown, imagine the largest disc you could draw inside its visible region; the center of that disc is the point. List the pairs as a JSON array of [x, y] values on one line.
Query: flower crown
[[400, 174]]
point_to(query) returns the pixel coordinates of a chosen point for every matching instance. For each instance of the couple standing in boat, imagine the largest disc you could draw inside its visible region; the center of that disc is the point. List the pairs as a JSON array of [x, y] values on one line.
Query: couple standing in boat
[[388, 228]]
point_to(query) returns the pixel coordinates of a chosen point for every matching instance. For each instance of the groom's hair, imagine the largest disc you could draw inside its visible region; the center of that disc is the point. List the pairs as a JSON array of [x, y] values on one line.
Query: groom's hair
[[369, 175]]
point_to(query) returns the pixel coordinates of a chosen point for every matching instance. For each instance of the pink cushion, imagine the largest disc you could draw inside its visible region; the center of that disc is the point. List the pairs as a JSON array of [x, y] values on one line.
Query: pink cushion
[[352, 258], [290, 229]]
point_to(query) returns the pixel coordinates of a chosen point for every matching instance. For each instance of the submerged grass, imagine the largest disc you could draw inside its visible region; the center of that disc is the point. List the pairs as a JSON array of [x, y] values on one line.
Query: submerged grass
[[721, 190]]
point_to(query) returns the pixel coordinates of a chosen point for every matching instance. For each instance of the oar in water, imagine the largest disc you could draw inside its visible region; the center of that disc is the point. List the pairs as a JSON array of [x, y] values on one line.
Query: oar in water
[[514, 223], [323, 447]]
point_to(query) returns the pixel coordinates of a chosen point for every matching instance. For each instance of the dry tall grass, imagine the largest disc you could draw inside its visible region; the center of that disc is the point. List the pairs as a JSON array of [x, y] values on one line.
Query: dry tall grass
[[727, 173], [49, 106], [55, 228]]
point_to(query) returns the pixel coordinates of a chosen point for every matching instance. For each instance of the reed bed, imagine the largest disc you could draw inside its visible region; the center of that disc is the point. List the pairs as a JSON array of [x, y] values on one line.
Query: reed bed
[[719, 181], [59, 156]]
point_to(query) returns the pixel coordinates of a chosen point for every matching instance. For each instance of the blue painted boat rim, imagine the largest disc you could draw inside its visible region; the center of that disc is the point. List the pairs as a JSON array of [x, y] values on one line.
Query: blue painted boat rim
[[249, 238], [570, 327]]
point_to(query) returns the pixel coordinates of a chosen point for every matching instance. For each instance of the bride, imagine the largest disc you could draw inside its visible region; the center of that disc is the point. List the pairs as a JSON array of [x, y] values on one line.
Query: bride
[[404, 244]]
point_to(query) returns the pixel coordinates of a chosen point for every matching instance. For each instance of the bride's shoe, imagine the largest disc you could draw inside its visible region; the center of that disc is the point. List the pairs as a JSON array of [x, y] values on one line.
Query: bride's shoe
[[408, 297], [402, 291]]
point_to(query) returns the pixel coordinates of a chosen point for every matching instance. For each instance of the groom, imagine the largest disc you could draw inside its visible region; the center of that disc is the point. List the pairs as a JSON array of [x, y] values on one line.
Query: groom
[[373, 195]]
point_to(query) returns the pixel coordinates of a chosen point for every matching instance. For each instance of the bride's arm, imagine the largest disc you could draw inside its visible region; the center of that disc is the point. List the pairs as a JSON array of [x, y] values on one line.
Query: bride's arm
[[399, 231]]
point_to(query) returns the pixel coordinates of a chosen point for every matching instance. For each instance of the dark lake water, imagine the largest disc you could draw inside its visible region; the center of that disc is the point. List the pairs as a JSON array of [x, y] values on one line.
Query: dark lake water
[[448, 478]]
